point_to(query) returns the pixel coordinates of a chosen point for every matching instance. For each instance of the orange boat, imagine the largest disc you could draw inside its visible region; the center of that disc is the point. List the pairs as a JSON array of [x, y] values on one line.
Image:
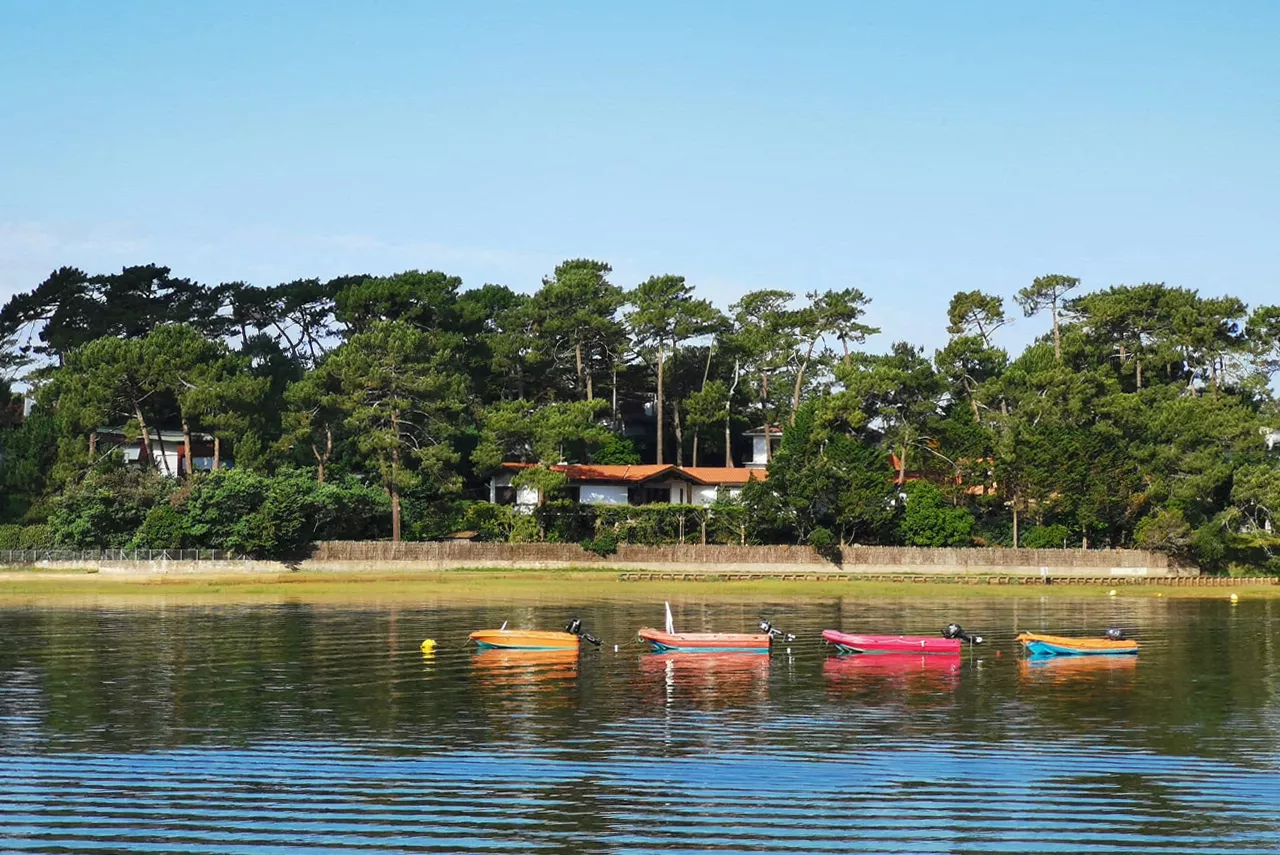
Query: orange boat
[[670, 641], [522, 669], [706, 642], [525, 639], [1074, 669], [1060, 645]]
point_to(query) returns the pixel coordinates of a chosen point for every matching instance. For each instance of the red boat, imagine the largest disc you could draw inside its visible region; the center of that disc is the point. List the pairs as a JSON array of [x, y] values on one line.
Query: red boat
[[847, 643]]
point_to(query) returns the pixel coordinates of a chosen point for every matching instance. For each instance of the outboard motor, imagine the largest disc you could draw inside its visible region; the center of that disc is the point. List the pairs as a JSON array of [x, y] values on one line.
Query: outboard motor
[[574, 627], [1115, 633], [768, 629], [954, 630]]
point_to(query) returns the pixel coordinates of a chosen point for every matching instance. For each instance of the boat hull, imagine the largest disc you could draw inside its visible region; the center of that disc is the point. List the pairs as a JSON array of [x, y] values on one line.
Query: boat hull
[[705, 642], [1059, 645], [849, 643], [524, 639]]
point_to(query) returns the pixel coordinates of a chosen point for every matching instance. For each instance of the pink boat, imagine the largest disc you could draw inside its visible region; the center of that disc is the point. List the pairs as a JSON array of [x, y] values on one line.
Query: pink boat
[[949, 644]]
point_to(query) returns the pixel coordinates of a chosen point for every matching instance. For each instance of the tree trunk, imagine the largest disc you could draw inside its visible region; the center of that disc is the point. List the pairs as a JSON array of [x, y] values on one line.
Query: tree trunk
[[146, 437], [1138, 362], [695, 447], [845, 343], [577, 355], [1057, 336], [679, 432], [93, 445], [217, 452], [394, 486], [973, 402], [1015, 522], [186, 447], [795, 394], [322, 459], [614, 410], [661, 402], [164, 458], [590, 388], [728, 412]]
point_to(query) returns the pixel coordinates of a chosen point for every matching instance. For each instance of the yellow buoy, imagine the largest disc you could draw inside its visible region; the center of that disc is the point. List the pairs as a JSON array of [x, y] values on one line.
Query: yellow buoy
[[429, 645], [1111, 593], [1158, 594], [1235, 598]]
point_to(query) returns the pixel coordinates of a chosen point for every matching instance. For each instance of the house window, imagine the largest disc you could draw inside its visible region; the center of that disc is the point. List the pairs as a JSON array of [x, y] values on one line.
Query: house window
[[649, 495], [504, 495], [573, 494]]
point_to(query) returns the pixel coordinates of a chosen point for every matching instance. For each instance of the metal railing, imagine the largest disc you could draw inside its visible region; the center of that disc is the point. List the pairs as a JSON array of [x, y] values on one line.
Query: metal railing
[[37, 556]]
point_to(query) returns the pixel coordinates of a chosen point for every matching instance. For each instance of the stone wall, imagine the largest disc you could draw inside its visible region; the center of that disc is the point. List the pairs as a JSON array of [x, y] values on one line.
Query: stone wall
[[870, 560], [364, 556]]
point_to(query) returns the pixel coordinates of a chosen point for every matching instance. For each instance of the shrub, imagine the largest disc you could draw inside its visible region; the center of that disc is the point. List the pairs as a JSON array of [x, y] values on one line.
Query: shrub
[[604, 543], [490, 522], [36, 537], [930, 521], [524, 529], [10, 536], [163, 528], [1045, 537], [105, 510]]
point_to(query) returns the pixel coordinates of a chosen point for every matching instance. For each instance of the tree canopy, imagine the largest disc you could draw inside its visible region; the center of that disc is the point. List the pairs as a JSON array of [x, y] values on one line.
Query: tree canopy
[[1137, 417]]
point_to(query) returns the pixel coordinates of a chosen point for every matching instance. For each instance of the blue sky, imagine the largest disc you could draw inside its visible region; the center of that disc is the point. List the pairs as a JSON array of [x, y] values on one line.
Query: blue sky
[[909, 149]]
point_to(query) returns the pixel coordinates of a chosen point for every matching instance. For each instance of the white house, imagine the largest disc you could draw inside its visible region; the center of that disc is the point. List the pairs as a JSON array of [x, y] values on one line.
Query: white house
[[168, 450], [764, 444], [628, 485]]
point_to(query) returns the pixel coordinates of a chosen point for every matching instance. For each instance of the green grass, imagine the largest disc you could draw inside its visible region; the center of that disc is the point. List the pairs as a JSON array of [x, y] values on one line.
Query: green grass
[[26, 586]]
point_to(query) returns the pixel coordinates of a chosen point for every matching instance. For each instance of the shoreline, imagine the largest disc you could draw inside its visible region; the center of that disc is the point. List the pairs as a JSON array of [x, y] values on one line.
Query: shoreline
[[36, 586]]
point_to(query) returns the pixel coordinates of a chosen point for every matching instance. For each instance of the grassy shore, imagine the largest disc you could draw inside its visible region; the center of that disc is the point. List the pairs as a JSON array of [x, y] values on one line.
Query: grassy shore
[[532, 585]]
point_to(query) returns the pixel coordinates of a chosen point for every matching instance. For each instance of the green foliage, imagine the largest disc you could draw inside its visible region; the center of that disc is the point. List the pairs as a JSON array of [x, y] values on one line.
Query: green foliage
[[490, 522], [276, 517], [10, 536], [603, 544], [929, 521], [615, 451], [1138, 421], [1166, 530], [36, 537], [105, 509], [163, 528], [1045, 537], [823, 477], [521, 432], [27, 456]]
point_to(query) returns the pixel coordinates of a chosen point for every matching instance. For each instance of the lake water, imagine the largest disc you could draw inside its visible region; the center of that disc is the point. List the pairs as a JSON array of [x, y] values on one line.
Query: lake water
[[309, 728]]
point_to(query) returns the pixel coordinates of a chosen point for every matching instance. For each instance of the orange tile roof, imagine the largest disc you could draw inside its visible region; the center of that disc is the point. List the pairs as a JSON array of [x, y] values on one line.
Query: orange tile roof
[[638, 473], [588, 472], [723, 474]]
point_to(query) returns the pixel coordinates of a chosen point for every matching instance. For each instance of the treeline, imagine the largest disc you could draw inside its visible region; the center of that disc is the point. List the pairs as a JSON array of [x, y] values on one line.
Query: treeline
[[367, 407]]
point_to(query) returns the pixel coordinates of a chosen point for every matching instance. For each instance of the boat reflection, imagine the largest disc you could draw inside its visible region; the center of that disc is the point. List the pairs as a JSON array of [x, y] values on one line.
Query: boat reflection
[[1072, 669], [910, 671], [706, 680], [515, 669]]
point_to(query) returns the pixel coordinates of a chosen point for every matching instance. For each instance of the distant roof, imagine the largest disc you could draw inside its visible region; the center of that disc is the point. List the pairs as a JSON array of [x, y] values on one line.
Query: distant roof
[[164, 435], [636, 474], [760, 431], [723, 474]]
